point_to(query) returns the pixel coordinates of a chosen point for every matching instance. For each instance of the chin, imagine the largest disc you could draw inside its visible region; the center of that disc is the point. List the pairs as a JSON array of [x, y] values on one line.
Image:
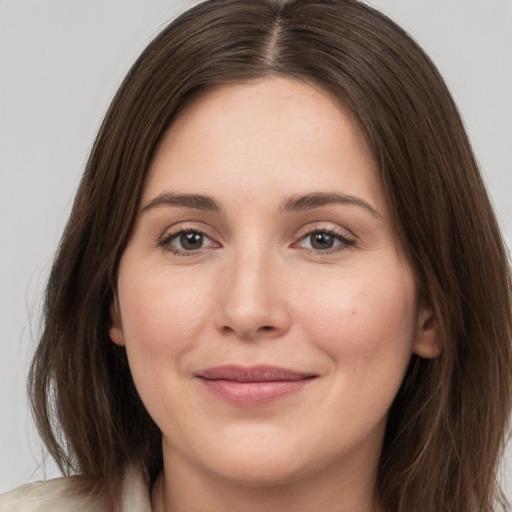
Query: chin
[[260, 464]]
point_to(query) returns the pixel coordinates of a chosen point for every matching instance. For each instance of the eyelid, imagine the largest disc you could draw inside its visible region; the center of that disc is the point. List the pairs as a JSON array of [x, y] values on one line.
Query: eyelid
[[328, 227], [172, 232], [346, 238]]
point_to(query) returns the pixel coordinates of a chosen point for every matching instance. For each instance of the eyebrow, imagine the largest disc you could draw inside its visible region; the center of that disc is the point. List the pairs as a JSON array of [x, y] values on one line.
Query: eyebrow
[[294, 204], [195, 201], [318, 199]]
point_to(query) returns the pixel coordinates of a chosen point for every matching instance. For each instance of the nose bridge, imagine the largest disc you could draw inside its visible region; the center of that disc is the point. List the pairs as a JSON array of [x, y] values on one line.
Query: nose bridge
[[253, 301]]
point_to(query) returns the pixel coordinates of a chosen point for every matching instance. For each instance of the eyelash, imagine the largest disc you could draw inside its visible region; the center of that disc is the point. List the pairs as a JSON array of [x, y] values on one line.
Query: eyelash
[[166, 239], [344, 242]]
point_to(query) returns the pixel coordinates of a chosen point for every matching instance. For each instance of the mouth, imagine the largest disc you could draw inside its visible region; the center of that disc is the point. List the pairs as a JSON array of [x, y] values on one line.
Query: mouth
[[253, 386]]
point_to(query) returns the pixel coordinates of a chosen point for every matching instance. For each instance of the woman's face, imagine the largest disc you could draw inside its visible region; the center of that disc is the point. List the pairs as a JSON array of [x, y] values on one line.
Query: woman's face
[[267, 313]]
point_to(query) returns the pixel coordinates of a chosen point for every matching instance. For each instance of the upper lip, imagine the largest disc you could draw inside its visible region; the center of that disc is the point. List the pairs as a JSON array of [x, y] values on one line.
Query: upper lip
[[260, 373]]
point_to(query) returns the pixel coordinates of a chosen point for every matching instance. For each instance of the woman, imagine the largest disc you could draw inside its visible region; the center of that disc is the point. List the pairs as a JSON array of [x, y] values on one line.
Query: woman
[[282, 283]]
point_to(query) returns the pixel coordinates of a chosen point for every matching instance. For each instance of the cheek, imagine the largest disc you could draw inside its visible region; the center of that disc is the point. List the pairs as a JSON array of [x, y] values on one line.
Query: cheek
[[366, 328], [359, 320], [162, 317]]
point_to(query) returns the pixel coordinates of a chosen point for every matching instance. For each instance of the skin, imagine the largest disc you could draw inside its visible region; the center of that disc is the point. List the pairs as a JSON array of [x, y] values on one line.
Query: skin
[[259, 289]]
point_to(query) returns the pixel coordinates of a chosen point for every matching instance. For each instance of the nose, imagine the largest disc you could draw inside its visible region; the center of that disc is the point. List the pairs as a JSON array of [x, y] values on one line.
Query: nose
[[252, 298]]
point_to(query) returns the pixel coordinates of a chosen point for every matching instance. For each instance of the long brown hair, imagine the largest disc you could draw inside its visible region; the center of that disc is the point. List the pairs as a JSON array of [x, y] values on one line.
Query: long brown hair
[[447, 426]]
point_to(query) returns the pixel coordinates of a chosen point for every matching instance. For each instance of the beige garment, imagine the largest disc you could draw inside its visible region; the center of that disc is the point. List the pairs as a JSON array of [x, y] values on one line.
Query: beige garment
[[56, 496]]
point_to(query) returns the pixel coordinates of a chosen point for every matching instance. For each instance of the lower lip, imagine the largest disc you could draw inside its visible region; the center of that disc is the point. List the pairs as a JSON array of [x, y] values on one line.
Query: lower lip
[[254, 394]]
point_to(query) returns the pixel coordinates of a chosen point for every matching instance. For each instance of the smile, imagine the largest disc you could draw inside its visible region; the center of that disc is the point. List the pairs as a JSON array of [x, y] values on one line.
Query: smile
[[253, 386]]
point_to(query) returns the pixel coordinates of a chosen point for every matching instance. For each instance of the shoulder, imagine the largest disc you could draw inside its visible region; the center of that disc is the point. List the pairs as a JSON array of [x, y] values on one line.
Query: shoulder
[[62, 495], [51, 496]]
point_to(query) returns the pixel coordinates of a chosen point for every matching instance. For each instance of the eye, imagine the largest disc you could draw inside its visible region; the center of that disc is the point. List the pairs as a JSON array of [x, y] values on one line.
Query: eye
[[187, 241], [323, 240]]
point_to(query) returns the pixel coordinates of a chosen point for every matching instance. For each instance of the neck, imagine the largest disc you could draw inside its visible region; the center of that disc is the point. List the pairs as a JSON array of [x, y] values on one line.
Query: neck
[[190, 489]]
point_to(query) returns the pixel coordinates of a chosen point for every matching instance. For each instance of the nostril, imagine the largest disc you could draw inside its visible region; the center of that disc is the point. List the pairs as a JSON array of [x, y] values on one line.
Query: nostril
[[228, 330]]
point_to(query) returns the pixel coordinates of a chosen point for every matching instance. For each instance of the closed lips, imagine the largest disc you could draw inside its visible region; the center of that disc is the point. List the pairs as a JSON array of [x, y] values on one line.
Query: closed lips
[[253, 374], [253, 386]]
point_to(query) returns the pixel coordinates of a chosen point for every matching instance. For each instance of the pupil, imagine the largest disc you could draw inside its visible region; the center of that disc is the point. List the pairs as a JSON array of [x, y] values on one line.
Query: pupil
[[322, 241], [191, 241]]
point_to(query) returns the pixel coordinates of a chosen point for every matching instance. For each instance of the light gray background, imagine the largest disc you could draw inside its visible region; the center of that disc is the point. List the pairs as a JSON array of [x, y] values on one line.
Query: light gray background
[[60, 63]]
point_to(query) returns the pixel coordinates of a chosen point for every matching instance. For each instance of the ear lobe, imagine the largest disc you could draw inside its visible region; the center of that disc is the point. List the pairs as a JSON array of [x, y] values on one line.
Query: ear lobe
[[116, 335], [427, 343], [116, 331]]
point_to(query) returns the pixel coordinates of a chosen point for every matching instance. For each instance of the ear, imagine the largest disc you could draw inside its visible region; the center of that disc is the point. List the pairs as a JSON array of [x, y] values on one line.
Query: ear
[[427, 343], [116, 329]]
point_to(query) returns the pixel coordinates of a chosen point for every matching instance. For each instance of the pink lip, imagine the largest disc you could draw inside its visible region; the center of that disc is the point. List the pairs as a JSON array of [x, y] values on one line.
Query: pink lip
[[253, 386]]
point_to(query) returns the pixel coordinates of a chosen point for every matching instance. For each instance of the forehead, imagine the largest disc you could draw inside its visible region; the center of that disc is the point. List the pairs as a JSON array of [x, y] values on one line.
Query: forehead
[[269, 134]]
